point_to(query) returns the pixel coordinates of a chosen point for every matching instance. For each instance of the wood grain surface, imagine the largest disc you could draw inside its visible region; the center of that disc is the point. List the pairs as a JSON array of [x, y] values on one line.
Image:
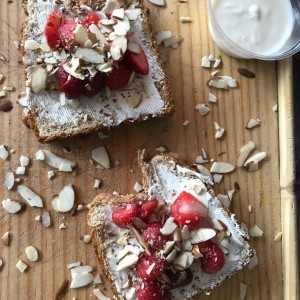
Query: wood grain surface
[[254, 98]]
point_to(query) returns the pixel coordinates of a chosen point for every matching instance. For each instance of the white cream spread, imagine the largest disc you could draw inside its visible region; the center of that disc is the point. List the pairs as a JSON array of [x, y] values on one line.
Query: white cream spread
[[168, 182], [111, 112], [259, 26]]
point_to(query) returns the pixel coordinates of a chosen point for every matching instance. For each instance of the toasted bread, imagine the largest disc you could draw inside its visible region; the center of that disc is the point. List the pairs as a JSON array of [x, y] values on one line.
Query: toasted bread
[[164, 178], [51, 115]]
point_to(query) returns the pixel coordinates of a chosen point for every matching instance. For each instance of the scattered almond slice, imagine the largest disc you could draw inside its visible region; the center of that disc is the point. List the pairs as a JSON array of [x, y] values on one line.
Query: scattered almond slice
[[99, 35], [244, 153], [55, 161], [8, 88], [3, 152], [230, 194], [205, 62], [168, 247], [118, 13], [275, 108], [200, 160], [218, 83], [29, 196], [81, 36], [217, 63], [157, 2], [278, 237], [203, 109], [253, 261], [249, 208], [204, 171], [138, 187], [65, 200], [231, 82], [255, 231], [2, 94], [252, 123], [6, 239], [38, 79], [81, 279], [11, 206], [100, 155], [24, 161], [20, 170], [212, 98], [201, 235], [134, 100], [9, 180], [171, 41], [168, 227], [72, 66], [127, 261], [162, 35], [217, 178], [46, 219], [161, 149], [32, 253], [31, 45], [50, 174], [219, 131], [243, 290], [185, 19], [256, 158], [1, 263], [21, 266], [186, 123], [122, 27], [86, 238], [73, 265], [97, 183], [89, 55], [99, 295], [133, 13], [97, 279], [62, 226], [118, 47], [224, 199], [221, 167]]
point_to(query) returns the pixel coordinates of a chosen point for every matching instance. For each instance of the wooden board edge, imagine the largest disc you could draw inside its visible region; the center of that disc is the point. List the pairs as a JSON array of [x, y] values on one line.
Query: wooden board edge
[[287, 179]]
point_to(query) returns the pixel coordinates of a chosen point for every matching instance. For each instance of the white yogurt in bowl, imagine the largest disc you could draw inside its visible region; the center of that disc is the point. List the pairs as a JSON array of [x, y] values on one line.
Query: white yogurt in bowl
[[263, 29]]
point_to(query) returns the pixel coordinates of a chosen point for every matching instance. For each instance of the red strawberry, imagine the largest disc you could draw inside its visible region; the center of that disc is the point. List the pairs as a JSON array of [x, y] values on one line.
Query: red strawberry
[[148, 208], [153, 237], [91, 18], [55, 20], [151, 290], [94, 86], [137, 61], [187, 210], [145, 269], [66, 34], [213, 258], [68, 84], [118, 78], [123, 216]]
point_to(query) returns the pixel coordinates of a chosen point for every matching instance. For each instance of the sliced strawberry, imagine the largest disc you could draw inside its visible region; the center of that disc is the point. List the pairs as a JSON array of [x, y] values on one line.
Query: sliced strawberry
[[91, 18], [151, 291], [149, 267], [68, 84], [148, 208], [94, 86], [66, 34], [187, 210], [213, 258], [54, 21], [137, 61], [123, 216], [153, 237], [118, 78]]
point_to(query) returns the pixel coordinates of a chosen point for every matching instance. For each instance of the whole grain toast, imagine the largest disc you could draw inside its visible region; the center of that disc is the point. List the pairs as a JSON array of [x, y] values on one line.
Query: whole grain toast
[[163, 178], [51, 118]]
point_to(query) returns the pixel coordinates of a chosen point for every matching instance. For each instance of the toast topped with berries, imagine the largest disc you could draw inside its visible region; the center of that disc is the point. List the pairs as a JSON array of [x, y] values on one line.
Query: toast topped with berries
[[91, 65], [172, 242]]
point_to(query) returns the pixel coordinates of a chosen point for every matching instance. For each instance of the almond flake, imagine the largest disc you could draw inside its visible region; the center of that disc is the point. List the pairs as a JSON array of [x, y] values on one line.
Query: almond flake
[[32, 253], [157, 2], [204, 171], [252, 123], [218, 83], [219, 131], [62, 226], [217, 63], [46, 220], [8, 88], [11, 206], [127, 262], [97, 183], [97, 279], [20, 170], [118, 13], [138, 187], [65, 200], [243, 290], [203, 109], [201, 235], [255, 231], [99, 35], [100, 155], [231, 82], [161, 149], [244, 153], [162, 35], [217, 178], [24, 161], [89, 55], [21, 266], [221, 167], [81, 279], [230, 194], [118, 47], [3, 152], [134, 100], [256, 158], [205, 62], [168, 247], [122, 27], [86, 238], [168, 227], [278, 237], [212, 98], [134, 47], [185, 19], [6, 239], [200, 160], [31, 45], [185, 232], [72, 66], [2, 94], [172, 41], [133, 13], [50, 174], [172, 256], [275, 108], [29, 196], [99, 295], [1, 263], [224, 199], [81, 36], [186, 122], [9, 180], [73, 265], [38, 79]]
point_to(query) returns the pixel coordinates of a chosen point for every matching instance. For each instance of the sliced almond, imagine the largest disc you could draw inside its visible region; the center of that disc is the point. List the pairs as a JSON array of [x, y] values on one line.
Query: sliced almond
[[140, 239], [221, 167], [21, 266], [118, 47], [203, 109], [205, 62], [3, 152], [162, 35], [217, 63], [29, 196], [98, 294], [196, 252], [89, 55], [31, 45], [185, 19], [1, 263], [224, 199], [134, 100], [20, 170], [255, 158], [9, 180], [231, 82], [185, 232], [252, 167], [243, 290], [86, 238], [99, 35], [133, 13], [80, 280], [55, 161], [118, 13], [172, 256], [73, 265], [200, 160], [157, 2], [171, 41], [217, 178], [122, 27], [81, 269], [168, 227], [278, 237], [252, 123], [65, 200], [138, 187], [127, 261], [24, 161], [218, 83], [100, 155], [72, 68], [204, 171], [32, 253], [38, 79], [202, 235], [219, 131], [255, 231], [168, 247], [197, 189], [80, 35], [212, 98], [11, 206], [244, 153], [6, 239], [46, 219]]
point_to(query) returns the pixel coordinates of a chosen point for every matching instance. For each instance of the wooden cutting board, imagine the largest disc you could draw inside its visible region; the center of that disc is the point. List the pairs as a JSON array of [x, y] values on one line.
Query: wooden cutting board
[[268, 191]]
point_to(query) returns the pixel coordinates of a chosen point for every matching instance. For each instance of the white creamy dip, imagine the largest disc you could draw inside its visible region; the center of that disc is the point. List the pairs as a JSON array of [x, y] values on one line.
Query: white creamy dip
[[259, 26]]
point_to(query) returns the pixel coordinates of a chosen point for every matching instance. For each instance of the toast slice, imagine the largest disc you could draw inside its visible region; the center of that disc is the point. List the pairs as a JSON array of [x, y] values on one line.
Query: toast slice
[[164, 179], [52, 115]]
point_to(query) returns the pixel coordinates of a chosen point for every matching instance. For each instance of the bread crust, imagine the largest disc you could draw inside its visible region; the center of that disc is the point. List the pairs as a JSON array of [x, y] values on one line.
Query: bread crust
[[42, 126]]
